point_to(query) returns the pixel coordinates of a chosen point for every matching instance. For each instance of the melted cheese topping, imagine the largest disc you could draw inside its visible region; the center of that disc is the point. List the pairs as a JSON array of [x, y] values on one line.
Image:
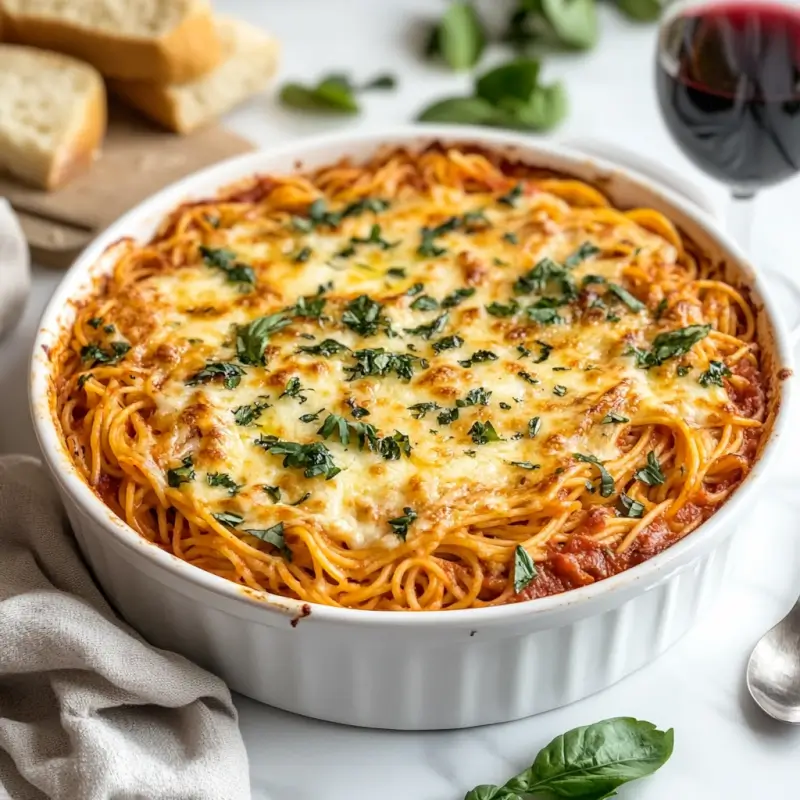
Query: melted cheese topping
[[546, 389]]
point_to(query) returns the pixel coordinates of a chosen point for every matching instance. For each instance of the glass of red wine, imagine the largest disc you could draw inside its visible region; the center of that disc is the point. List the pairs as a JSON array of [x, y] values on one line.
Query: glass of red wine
[[728, 82]]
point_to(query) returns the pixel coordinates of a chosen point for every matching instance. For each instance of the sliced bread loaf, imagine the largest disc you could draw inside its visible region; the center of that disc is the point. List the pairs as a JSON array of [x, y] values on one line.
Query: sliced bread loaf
[[53, 118], [249, 59], [159, 40]]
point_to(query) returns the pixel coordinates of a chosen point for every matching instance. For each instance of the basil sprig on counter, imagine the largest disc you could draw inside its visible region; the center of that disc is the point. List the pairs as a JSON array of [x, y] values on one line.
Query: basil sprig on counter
[[588, 763], [335, 93], [459, 37], [509, 96]]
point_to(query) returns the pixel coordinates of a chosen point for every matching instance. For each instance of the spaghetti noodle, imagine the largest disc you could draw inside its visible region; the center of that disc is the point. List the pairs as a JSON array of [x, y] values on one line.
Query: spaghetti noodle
[[434, 381]]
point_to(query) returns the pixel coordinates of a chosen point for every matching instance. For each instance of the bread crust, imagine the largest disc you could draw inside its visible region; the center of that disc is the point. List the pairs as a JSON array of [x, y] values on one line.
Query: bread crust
[[187, 51]]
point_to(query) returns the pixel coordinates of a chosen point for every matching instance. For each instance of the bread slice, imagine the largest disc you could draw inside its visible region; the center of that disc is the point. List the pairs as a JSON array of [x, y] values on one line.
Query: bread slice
[[249, 58], [158, 40], [53, 118]]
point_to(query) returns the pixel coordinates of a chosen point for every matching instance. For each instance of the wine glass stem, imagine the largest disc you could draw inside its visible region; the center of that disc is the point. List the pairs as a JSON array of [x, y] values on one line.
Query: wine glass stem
[[741, 210]]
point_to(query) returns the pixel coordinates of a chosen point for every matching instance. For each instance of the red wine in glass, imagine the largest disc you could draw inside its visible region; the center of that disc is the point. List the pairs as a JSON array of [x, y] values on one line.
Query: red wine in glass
[[728, 82]]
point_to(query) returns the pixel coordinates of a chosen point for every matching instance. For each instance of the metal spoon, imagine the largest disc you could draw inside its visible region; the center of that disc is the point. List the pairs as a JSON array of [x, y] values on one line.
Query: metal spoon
[[773, 672]]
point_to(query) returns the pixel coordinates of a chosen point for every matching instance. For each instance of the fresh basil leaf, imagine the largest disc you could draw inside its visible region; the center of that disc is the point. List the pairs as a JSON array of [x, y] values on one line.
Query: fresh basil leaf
[[460, 38], [447, 343], [225, 481], [326, 348], [93, 354], [641, 10], [425, 303], [475, 397], [314, 459], [633, 303], [586, 250], [524, 570], [650, 474], [461, 110], [419, 410], [490, 792], [544, 110], [574, 21], [500, 310], [457, 296], [431, 329], [364, 316], [478, 357], [447, 416], [274, 492], [517, 79], [273, 536], [330, 94], [230, 373], [591, 762], [230, 519], [380, 362], [606, 480], [483, 432]]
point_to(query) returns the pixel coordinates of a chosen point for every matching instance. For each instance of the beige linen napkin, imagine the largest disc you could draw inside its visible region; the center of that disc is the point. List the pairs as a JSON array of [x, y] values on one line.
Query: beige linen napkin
[[88, 710]]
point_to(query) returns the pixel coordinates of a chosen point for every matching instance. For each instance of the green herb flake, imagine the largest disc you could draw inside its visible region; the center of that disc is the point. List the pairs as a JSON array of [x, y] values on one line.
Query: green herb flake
[[584, 252], [182, 474], [326, 348], [396, 272], [483, 432], [447, 343], [511, 237], [457, 297], [447, 416], [96, 322], [534, 425], [302, 255], [274, 536], [559, 390], [380, 362], [524, 574], [230, 373], [670, 344], [612, 417], [274, 492], [364, 316], [251, 339], [419, 410], [314, 459], [247, 415], [399, 525], [230, 519], [431, 329], [650, 474], [527, 377], [633, 303], [425, 303], [93, 354], [628, 507], [524, 465], [475, 397], [714, 374], [295, 389], [225, 481], [225, 261], [478, 357], [511, 197], [606, 481]]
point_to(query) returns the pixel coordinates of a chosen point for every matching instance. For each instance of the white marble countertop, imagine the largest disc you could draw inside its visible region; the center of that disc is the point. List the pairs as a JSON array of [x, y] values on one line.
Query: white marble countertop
[[725, 747]]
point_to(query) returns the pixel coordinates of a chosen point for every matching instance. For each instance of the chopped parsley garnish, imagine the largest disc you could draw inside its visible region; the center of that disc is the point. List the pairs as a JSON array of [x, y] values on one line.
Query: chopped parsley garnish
[[478, 357], [447, 343], [447, 416], [543, 274], [230, 519], [559, 390], [273, 536], [669, 345], [524, 465], [431, 329], [419, 410], [633, 303], [399, 525], [475, 220], [483, 432], [364, 316], [319, 215], [546, 349], [247, 415], [606, 481], [108, 329], [93, 354], [683, 371], [428, 236], [457, 296], [230, 373], [511, 237], [302, 255], [527, 377], [414, 290], [505, 406], [544, 315], [475, 397], [361, 432], [628, 507], [500, 310], [510, 198], [524, 569], [534, 425], [225, 481], [311, 417], [425, 303], [314, 459], [586, 250], [356, 411], [714, 374], [650, 474], [613, 417], [310, 307], [182, 474], [382, 362], [251, 339], [295, 389], [274, 492], [396, 272], [326, 348], [391, 447], [225, 260], [96, 322], [375, 237]]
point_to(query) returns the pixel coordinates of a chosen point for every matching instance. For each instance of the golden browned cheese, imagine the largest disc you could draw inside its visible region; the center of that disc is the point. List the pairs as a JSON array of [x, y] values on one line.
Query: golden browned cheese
[[403, 384]]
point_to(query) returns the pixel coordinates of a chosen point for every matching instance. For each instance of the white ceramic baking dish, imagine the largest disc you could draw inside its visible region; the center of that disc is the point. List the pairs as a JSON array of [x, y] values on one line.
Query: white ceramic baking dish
[[407, 670]]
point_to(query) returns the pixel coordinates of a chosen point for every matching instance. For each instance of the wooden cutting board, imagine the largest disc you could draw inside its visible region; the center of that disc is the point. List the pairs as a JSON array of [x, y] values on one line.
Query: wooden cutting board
[[137, 160]]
